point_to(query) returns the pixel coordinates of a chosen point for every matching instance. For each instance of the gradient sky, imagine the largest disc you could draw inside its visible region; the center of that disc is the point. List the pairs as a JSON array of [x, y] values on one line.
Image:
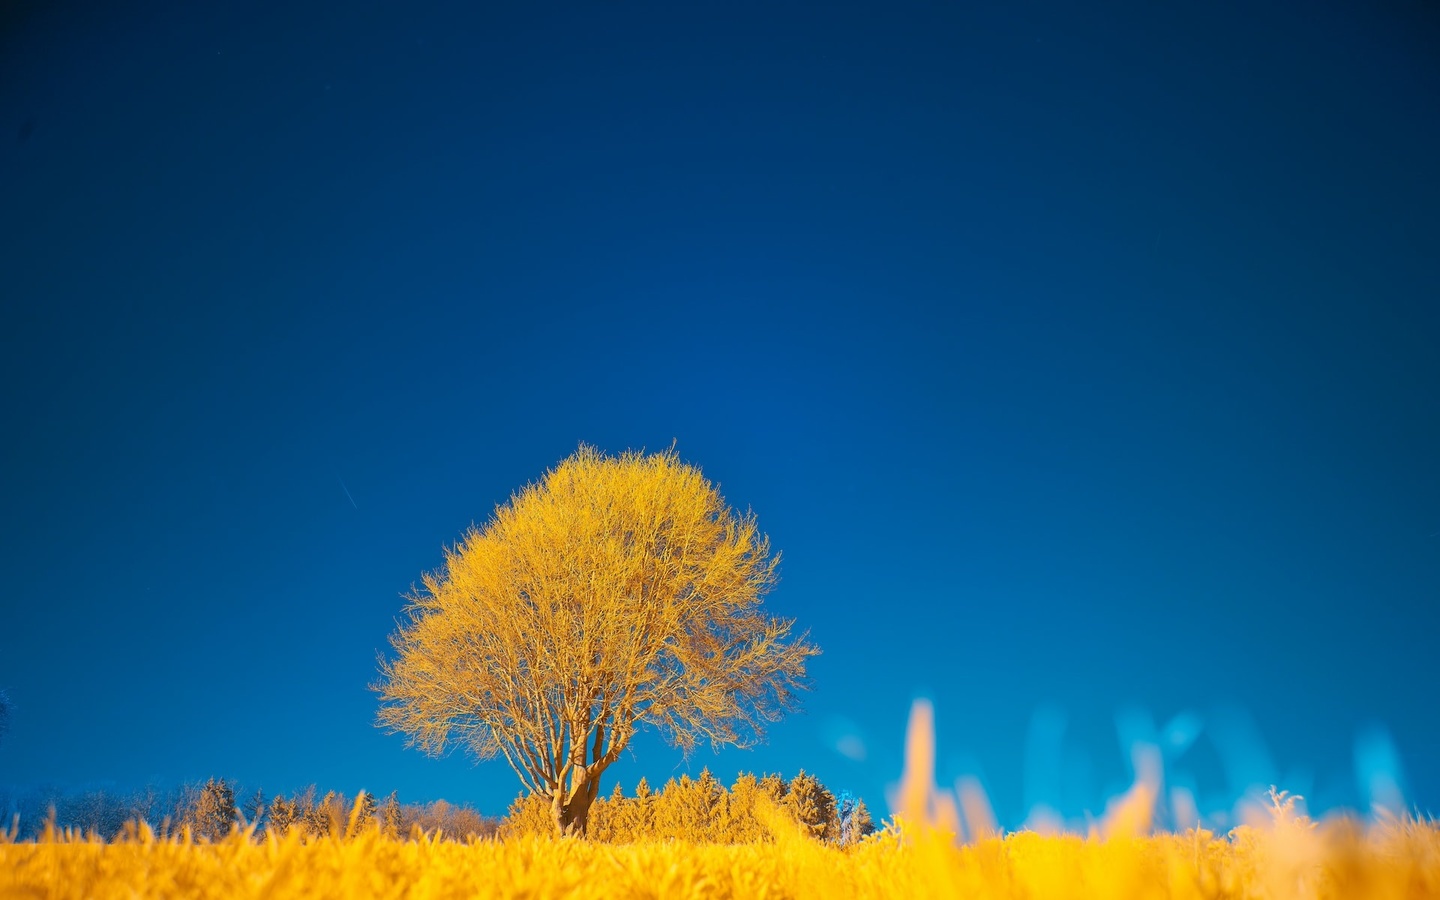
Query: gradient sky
[[1082, 362]]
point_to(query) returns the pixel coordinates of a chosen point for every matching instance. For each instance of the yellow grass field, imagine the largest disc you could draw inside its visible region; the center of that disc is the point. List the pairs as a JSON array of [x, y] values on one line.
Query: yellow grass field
[[1281, 855], [1333, 861]]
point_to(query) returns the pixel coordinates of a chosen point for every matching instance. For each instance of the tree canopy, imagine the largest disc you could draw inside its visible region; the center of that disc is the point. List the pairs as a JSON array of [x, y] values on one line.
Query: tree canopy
[[613, 593]]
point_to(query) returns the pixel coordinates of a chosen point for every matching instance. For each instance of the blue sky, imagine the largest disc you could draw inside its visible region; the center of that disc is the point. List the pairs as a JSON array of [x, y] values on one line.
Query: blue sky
[[1075, 360]]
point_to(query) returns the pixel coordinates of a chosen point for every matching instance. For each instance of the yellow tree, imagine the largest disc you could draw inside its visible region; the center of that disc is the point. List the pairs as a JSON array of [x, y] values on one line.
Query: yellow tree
[[613, 593]]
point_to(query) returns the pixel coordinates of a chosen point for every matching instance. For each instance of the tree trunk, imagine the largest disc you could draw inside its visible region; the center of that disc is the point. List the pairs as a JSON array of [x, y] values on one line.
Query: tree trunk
[[576, 816], [572, 818]]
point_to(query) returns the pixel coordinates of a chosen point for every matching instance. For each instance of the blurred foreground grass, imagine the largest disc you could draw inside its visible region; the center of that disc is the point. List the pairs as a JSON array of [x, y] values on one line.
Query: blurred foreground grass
[[1278, 855], [1338, 859]]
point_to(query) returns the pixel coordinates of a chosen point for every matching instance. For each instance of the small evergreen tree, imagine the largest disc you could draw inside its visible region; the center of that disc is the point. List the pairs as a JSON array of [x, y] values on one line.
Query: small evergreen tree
[[686, 809], [305, 816], [642, 819], [741, 826], [254, 809], [707, 805], [390, 816], [813, 806], [773, 786], [861, 825], [284, 814], [214, 812]]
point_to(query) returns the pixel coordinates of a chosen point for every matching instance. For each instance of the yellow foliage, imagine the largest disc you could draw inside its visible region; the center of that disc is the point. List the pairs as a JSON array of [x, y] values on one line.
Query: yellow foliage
[[692, 810], [615, 592], [529, 816]]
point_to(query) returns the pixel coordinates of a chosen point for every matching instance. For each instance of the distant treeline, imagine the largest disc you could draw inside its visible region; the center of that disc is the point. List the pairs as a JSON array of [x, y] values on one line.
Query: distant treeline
[[697, 809], [212, 809]]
